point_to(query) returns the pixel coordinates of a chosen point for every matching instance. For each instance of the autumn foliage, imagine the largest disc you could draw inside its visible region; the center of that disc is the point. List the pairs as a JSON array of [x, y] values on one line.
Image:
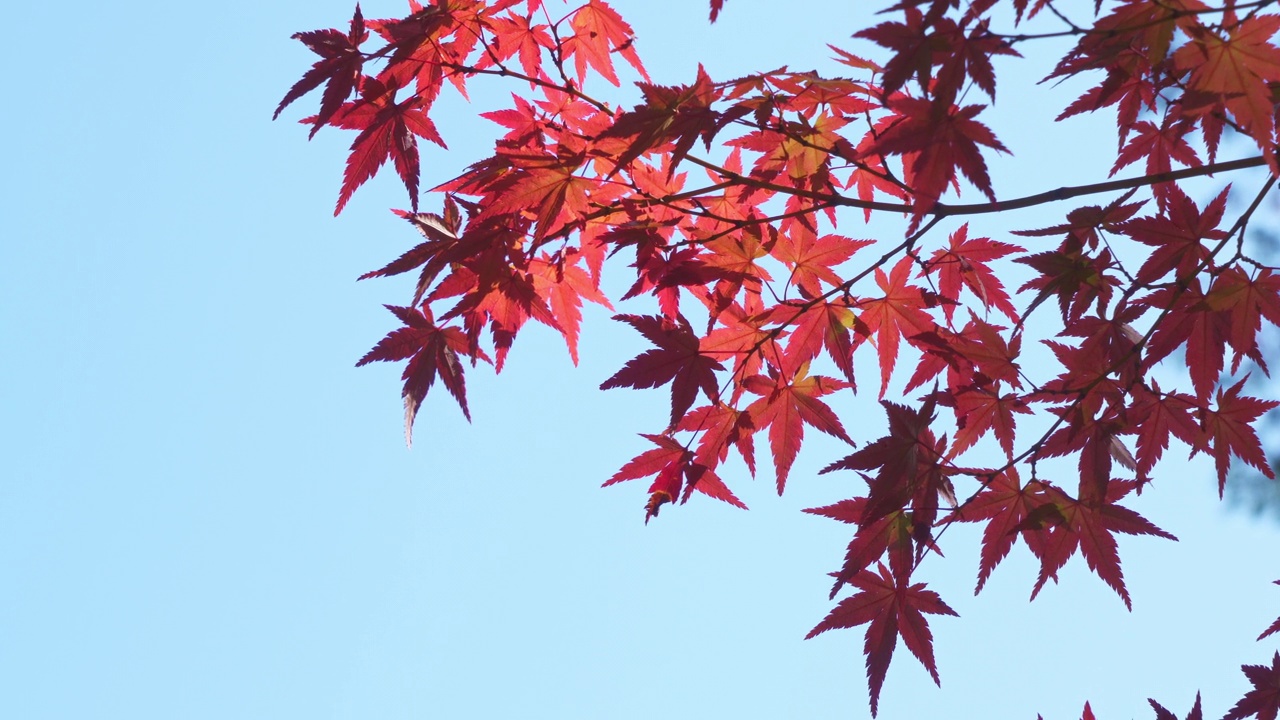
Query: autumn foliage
[[738, 203]]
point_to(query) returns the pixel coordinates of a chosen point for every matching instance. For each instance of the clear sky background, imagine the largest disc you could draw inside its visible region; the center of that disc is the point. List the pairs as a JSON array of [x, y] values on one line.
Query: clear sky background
[[207, 512]]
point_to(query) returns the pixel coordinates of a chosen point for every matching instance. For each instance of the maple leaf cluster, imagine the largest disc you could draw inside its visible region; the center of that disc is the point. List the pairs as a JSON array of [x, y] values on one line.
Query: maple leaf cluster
[[728, 197]]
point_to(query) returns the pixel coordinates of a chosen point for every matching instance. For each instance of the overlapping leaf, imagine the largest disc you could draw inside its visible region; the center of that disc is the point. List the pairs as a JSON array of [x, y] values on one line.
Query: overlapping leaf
[[677, 359], [786, 405]]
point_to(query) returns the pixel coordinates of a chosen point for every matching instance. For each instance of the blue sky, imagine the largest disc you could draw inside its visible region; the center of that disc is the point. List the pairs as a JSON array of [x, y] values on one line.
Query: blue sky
[[207, 512]]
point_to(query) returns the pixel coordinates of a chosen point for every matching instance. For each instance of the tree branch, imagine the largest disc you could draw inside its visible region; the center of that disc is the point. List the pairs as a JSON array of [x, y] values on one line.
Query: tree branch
[[942, 210]]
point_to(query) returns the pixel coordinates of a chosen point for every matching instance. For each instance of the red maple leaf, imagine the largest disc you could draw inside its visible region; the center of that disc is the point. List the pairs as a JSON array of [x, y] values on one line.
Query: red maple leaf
[[894, 533], [1158, 145], [524, 122], [1176, 235], [676, 475], [964, 264], [421, 48], [1230, 430], [813, 260], [976, 355], [742, 339], [432, 256], [598, 31], [733, 259], [1097, 440], [935, 145], [1006, 504], [1127, 85], [339, 67], [517, 35], [979, 410], [564, 285], [497, 294], [923, 42], [1111, 344], [891, 608], [1247, 301], [912, 50], [1191, 322], [432, 351], [1160, 415], [676, 115], [387, 130], [900, 312], [676, 360], [968, 57], [1263, 701], [721, 426], [1088, 527], [1235, 70], [1145, 28], [1086, 383], [909, 470], [820, 325], [664, 273], [870, 175], [800, 149], [545, 185], [1077, 278], [786, 405]]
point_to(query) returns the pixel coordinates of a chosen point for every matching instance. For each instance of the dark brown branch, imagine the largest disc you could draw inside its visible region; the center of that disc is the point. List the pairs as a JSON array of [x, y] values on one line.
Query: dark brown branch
[[942, 210], [1065, 193]]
